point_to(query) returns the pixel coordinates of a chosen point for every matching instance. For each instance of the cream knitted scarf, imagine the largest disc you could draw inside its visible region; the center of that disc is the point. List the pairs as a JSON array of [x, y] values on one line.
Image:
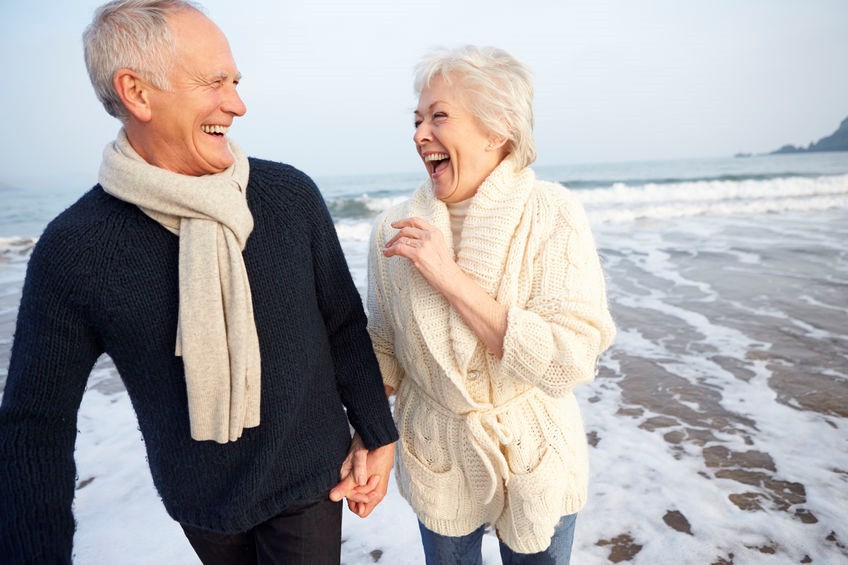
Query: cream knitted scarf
[[216, 333]]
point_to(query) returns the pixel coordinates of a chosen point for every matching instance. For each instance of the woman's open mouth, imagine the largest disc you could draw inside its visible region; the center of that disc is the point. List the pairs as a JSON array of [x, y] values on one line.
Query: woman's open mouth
[[436, 162]]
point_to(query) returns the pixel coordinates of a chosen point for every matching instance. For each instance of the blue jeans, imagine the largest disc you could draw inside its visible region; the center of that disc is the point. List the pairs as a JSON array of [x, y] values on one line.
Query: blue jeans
[[466, 550]]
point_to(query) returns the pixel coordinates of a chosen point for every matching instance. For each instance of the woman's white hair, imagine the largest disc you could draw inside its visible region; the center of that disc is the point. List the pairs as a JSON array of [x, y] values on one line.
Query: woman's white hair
[[130, 34], [493, 86]]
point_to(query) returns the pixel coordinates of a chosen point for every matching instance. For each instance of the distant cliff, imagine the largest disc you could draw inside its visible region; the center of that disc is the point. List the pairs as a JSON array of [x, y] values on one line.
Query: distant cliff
[[837, 141]]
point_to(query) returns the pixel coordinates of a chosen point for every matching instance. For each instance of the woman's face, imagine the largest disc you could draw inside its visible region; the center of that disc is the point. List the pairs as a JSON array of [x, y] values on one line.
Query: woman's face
[[457, 152]]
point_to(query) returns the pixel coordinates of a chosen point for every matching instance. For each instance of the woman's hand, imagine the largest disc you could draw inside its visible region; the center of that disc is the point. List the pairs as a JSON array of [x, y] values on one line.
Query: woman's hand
[[425, 247], [364, 477]]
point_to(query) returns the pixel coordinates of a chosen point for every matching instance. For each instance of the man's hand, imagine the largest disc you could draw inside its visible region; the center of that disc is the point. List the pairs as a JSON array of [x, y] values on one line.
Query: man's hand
[[364, 477]]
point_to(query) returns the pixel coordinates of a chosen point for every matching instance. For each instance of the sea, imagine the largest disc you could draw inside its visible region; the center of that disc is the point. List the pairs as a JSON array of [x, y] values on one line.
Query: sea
[[718, 422]]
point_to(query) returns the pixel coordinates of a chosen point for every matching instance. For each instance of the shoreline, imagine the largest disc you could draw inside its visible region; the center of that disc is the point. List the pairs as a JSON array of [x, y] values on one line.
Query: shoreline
[[715, 424]]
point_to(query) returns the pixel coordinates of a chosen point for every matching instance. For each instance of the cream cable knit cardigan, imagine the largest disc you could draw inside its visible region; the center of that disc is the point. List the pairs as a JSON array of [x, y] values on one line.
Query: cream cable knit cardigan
[[487, 440]]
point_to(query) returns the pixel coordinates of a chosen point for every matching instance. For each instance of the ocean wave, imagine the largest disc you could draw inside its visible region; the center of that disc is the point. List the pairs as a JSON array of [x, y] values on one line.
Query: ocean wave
[[13, 247], [362, 206], [353, 231], [621, 202], [581, 184]]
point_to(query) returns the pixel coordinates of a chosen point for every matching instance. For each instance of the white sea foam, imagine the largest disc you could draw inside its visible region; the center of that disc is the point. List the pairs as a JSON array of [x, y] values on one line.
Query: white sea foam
[[718, 190], [622, 203], [721, 285], [637, 477], [376, 204], [353, 231], [16, 246]]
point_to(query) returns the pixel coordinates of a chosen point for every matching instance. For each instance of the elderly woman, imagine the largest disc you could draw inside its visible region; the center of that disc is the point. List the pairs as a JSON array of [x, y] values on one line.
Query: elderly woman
[[487, 307]]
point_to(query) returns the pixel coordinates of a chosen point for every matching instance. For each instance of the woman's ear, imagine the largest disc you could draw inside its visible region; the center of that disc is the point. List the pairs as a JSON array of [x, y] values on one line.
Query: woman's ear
[[134, 93], [496, 142]]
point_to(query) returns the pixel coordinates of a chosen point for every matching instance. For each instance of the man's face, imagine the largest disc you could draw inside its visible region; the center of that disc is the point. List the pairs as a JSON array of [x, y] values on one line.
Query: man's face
[[189, 123]]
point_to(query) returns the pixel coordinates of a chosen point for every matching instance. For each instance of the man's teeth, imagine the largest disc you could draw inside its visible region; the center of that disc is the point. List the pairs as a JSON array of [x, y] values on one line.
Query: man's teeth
[[215, 129], [436, 157]]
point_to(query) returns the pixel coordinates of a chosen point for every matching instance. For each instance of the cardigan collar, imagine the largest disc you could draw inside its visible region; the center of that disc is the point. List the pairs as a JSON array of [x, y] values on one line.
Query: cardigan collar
[[487, 235]]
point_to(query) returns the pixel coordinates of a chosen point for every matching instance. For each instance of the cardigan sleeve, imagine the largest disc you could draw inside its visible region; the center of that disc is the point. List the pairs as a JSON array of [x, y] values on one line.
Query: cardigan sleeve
[[554, 341], [357, 371], [379, 323], [53, 352]]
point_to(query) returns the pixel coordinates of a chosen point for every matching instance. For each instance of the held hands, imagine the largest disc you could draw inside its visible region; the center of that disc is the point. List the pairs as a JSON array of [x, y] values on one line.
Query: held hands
[[425, 247], [364, 477]]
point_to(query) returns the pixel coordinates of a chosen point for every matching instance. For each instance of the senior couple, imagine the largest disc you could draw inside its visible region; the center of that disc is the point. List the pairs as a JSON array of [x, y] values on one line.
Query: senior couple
[[216, 284]]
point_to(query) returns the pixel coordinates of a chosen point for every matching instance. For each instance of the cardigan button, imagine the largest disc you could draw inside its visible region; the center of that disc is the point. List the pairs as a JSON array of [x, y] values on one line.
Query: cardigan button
[[473, 375]]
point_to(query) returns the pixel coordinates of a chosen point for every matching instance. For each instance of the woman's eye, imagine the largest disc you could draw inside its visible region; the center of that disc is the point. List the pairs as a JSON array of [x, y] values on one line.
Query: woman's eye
[[438, 115], [417, 123]]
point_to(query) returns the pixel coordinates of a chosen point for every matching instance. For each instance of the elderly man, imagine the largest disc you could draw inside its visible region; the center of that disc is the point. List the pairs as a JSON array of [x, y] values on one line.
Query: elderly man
[[218, 287]]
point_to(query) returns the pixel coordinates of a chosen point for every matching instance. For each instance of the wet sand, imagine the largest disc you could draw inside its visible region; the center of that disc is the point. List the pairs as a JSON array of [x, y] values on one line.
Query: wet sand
[[718, 420], [712, 333]]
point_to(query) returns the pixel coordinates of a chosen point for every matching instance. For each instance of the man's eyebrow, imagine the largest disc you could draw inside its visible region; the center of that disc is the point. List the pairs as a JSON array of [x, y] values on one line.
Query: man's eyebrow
[[224, 75]]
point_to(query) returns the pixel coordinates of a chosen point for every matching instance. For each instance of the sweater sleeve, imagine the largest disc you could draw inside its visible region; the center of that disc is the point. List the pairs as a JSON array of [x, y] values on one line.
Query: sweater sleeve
[[53, 352], [555, 340], [357, 371], [379, 326]]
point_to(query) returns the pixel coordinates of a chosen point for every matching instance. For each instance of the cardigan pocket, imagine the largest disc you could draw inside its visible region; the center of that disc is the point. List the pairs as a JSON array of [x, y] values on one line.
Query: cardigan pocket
[[538, 495], [431, 493]]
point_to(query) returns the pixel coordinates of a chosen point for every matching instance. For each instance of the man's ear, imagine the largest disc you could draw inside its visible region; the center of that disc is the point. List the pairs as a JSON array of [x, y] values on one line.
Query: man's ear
[[134, 93]]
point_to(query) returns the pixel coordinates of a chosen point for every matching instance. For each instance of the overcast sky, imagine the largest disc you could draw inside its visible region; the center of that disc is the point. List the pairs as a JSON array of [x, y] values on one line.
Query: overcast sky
[[328, 83]]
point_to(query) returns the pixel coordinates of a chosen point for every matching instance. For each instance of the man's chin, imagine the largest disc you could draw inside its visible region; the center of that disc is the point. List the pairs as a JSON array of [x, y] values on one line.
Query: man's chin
[[220, 164]]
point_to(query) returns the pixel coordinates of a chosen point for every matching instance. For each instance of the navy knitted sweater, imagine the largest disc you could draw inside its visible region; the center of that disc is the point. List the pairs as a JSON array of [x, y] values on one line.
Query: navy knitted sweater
[[103, 279]]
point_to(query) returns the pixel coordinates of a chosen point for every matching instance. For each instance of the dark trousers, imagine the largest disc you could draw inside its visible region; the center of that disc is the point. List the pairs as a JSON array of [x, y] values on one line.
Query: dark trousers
[[306, 534]]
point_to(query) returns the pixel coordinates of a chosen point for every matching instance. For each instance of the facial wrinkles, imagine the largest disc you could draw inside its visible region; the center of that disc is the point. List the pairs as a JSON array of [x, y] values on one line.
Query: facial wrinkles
[[456, 167], [432, 150], [459, 135], [431, 122], [198, 159], [202, 84], [192, 118], [436, 115]]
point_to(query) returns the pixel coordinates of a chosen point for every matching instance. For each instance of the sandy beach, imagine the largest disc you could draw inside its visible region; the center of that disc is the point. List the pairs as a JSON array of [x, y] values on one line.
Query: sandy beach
[[740, 372], [718, 421]]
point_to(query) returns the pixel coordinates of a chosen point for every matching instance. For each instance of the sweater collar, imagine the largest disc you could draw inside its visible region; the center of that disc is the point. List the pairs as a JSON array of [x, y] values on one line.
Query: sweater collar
[[487, 235]]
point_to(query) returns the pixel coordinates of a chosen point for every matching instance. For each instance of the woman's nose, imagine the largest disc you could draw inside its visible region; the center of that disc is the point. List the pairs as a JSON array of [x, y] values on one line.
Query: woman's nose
[[422, 134]]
